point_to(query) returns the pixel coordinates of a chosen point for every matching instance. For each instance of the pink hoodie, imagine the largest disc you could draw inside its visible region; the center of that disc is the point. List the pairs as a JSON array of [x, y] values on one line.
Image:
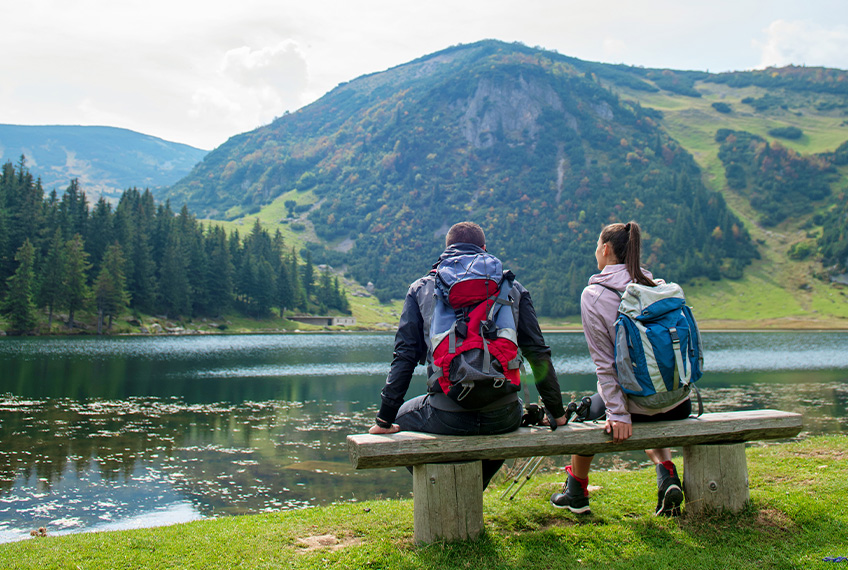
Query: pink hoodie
[[599, 310]]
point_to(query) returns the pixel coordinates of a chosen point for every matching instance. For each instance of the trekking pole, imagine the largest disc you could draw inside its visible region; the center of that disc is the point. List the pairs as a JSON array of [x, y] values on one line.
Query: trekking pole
[[518, 476], [536, 461]]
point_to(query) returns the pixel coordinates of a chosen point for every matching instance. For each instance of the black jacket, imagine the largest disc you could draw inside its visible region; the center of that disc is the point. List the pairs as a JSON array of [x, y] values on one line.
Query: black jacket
[[411, 344]]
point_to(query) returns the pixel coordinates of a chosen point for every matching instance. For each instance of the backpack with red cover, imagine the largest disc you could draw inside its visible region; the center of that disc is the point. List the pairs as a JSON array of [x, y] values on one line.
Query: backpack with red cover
[[473, 339]]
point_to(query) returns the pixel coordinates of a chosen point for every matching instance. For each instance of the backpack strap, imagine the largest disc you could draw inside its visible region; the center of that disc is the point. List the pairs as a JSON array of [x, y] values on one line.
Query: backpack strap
[[616, 291], [698, 397], [678, 358]]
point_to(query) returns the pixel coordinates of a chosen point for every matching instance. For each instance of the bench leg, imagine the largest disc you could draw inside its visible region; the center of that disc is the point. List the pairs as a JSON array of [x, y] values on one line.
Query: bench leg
[[447, 501], [715, 477]]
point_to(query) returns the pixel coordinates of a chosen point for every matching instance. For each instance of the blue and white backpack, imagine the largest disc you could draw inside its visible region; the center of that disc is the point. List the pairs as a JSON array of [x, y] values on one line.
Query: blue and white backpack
[[658, 350]]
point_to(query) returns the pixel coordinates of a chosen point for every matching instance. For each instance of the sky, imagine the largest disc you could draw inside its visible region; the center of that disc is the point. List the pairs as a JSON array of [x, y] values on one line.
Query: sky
[[200, 71]]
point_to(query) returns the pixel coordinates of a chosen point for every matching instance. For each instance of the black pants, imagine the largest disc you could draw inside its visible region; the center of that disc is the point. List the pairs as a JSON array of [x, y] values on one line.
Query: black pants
[[683, 410], [418, 415]]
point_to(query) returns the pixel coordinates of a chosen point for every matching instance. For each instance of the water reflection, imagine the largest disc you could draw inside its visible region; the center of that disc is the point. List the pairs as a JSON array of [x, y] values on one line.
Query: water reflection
[[115, 433]]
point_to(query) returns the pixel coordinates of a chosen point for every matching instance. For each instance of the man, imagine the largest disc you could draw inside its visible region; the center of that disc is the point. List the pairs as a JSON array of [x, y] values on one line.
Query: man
[[435, 412]]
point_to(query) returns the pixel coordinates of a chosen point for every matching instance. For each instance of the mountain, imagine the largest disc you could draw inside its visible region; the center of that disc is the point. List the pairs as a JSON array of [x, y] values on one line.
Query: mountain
[[106, 160], [542, 150]]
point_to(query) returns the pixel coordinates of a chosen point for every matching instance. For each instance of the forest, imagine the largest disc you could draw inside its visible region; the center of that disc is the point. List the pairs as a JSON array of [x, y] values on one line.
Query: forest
[[59, 256]]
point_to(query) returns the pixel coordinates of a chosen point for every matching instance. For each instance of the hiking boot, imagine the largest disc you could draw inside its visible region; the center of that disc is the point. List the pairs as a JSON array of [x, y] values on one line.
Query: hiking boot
[[574, 495], [669, 490]]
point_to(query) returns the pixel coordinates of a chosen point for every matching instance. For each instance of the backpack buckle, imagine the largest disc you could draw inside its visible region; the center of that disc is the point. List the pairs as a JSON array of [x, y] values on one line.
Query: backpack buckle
[[488, 330]]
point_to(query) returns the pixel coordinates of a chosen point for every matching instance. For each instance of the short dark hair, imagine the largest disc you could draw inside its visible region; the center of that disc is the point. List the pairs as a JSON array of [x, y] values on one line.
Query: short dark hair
[[466, 232]]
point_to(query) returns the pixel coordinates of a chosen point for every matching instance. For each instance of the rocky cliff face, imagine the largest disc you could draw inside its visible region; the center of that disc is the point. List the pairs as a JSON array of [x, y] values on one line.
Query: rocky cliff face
[[509, 108]]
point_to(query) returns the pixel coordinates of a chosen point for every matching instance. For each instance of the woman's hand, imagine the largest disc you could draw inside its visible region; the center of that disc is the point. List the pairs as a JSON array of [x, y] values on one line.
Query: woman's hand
[[377, 429], [620, 430]]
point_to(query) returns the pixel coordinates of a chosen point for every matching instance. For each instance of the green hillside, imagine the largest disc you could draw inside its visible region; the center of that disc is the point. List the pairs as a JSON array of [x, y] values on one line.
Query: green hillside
[[106, 160], [776, 290], [542, 150]]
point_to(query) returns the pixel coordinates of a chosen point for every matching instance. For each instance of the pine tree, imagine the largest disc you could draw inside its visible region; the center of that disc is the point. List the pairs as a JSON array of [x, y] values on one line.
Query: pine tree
[[308, 275], [73, 211], [102, 233], [110, 287], [298, 294], [264, 288], [75, 290], [324, 291], [219, 271], [173, 281], [52, 276], [19, 306], [285, 290]]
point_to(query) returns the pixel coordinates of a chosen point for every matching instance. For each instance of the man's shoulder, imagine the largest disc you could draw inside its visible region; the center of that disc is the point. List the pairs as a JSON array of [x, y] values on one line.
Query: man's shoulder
[[519, 288], [421, 284]]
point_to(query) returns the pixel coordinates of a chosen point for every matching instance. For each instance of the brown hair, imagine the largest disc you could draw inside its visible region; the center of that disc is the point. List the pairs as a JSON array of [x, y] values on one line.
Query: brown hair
[[626, 243], [466, 232]]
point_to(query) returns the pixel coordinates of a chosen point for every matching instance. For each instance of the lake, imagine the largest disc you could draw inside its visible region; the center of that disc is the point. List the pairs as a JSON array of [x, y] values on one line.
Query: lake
[[116, 433]]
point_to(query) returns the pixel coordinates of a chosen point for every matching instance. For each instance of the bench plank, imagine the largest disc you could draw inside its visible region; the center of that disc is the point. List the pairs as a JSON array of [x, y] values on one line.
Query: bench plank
[[369, 451]]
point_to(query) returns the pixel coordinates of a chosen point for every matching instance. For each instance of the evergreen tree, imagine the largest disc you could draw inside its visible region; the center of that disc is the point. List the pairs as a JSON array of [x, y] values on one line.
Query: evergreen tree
[[308, 275], [191, 236], [285, 289], [4, 235], [219, 271], [25, 205], [110, 287], [19, 306], [133, 223], [340, 301], [75, 290], [52, 276], [73, 211], [298, 294], [102, 234], [173, 281], [324, 291], [264, 288]]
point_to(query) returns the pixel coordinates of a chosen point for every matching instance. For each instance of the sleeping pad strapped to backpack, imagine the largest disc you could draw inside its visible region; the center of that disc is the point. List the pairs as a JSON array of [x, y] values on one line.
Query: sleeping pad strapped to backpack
[[472, 333]]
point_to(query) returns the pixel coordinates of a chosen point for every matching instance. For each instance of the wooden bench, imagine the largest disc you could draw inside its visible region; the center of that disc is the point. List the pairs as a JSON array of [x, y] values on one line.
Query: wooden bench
[[447, 484]]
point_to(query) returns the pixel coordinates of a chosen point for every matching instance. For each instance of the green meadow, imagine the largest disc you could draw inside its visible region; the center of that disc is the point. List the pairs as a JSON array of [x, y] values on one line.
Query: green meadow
[[797, 517]]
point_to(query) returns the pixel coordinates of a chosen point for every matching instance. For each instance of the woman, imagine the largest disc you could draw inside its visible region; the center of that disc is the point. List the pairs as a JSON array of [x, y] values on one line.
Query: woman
[[618, 253]]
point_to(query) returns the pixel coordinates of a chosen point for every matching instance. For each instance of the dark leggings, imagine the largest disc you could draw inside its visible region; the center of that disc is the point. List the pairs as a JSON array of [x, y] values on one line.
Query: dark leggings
[[682, 411], [598, 410]]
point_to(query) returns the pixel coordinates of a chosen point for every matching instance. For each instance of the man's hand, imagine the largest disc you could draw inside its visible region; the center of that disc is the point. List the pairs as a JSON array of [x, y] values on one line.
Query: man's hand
[[377, 429], [562, 420], [619, 430]]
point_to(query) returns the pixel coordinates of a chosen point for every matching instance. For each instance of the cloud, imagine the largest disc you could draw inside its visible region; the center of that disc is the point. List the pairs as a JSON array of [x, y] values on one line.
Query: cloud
[[253, 86], [801, 42]]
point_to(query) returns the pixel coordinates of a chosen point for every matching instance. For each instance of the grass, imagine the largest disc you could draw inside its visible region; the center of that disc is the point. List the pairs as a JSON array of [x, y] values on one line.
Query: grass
[[776, 292], [797, 517]]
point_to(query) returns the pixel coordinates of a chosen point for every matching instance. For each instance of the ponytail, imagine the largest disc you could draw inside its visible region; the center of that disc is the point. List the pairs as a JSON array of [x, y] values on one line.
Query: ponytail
[[626, 243]]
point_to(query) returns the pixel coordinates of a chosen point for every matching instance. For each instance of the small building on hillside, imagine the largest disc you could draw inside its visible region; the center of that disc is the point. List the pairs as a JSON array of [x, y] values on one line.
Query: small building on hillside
[[325, 321]]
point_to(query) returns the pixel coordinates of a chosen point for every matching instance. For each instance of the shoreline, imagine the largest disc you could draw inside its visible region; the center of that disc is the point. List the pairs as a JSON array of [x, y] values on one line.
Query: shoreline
[[833, 324], [545, 330]]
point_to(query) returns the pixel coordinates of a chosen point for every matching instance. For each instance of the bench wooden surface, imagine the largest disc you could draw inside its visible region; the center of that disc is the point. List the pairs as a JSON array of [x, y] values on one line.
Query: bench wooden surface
[[447, 476], [369, 451]]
